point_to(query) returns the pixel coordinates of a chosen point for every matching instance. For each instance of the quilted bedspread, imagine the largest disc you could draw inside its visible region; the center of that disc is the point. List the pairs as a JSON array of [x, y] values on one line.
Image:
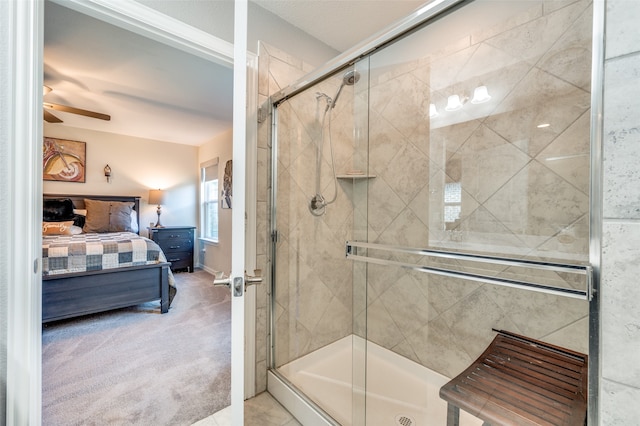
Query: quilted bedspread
[[63, 254]]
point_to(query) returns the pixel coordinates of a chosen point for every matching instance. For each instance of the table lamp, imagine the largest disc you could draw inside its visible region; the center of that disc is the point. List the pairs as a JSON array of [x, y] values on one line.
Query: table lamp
[[156, 196]]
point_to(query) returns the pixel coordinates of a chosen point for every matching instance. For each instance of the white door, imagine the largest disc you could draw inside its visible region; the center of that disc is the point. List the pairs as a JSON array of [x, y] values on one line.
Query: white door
[[243, 219], [238, 213]]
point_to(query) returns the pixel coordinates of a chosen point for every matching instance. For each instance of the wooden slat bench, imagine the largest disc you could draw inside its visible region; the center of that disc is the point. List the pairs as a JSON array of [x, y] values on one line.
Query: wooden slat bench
[[521, 381]]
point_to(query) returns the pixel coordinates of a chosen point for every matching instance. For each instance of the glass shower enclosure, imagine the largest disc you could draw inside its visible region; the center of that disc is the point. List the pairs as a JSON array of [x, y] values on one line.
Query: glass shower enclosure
[[425, 195]]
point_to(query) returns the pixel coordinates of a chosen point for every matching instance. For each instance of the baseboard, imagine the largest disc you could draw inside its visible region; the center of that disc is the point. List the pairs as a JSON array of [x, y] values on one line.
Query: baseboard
[[206, 269]]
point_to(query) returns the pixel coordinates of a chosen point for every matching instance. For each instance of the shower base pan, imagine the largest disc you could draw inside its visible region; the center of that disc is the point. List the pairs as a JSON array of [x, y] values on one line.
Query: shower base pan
[[399, 391]]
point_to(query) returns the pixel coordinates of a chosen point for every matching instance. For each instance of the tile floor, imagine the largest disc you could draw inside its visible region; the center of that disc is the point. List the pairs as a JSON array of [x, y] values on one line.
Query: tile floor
[[262, 410]]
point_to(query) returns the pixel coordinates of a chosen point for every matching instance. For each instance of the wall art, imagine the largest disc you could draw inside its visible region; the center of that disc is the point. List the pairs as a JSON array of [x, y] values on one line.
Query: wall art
[[63, 160]]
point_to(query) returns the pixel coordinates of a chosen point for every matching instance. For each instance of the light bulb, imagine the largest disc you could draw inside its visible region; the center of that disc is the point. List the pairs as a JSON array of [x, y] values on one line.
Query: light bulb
[[433, 112], [480, 95], [453, 103]]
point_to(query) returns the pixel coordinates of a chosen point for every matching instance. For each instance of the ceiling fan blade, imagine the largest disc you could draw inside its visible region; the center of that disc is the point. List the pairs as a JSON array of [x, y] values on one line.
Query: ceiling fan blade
[[50, 118], [65, 108]]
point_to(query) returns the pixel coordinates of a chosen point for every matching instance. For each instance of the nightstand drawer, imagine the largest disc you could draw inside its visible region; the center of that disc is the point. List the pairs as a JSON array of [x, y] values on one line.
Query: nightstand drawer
[[175, 245], [179, 260], [173, 235]]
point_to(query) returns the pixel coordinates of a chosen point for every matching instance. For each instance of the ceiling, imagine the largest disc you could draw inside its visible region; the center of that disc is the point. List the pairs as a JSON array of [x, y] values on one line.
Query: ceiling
[[341, 24], [154, 91]]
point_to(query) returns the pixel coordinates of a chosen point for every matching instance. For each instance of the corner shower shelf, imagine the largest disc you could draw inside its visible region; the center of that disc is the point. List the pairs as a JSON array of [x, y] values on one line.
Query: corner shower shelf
[[355, 176]]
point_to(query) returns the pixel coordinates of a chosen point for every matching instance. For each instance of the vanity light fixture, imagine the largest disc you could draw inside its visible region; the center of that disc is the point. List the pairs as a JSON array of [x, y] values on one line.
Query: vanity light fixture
[[543, 125], [107, 172], [433, 112], [480, 95]]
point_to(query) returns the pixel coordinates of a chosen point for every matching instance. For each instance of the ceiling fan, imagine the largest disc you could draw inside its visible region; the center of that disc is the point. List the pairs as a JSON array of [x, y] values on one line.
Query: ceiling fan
[[50, 118]]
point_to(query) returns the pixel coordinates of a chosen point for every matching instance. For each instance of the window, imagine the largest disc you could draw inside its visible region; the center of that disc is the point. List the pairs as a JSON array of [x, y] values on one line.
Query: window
[[209, 199], [452, 201]]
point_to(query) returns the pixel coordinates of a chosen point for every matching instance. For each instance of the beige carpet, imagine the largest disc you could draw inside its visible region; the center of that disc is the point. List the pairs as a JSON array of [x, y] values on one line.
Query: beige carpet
[[135, 366]]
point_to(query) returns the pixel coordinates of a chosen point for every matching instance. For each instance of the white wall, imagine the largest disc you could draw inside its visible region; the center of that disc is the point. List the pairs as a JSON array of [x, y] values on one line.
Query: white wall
[[218, 256], [137, 165], [216, 17]]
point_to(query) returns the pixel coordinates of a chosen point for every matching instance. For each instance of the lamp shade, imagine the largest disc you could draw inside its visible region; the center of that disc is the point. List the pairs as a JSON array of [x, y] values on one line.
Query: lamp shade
[[156, 196]]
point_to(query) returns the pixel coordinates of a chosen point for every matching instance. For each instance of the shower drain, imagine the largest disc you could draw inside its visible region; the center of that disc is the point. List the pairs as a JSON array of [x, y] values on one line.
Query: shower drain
[[403, 420]]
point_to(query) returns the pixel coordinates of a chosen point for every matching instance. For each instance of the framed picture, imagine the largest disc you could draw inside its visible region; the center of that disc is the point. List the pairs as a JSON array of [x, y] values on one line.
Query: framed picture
[[227, 185], [63, 160]]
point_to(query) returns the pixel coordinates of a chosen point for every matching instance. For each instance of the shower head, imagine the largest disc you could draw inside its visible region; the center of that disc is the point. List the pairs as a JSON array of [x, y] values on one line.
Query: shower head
[[349, 78]]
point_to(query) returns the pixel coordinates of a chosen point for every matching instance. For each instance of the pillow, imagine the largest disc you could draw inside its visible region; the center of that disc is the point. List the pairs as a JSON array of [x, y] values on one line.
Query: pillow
[[107, 216], [134, 222], [78, 220], [79, 216], [57, 209], [57, 228]]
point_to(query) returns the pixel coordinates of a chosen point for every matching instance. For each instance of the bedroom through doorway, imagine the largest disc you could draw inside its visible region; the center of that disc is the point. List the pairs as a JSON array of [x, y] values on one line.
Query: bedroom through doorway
[[96, 333]]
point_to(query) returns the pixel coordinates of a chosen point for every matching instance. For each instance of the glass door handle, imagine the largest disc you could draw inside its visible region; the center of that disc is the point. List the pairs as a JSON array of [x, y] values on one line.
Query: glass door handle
[[239, 283], [233, 283]]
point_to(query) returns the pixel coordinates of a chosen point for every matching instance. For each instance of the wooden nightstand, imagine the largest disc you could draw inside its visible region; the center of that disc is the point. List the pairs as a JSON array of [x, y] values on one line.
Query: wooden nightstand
[[177, 244]]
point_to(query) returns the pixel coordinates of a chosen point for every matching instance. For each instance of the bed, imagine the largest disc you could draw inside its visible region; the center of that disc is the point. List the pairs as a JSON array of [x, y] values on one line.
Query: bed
[[111, 276]]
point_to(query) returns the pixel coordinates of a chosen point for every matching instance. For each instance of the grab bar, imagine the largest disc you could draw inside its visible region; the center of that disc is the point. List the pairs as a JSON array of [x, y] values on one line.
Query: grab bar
[[586, 270]]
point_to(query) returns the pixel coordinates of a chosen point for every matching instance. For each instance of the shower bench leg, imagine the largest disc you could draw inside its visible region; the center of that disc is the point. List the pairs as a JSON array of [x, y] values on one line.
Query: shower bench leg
[[453, 415]]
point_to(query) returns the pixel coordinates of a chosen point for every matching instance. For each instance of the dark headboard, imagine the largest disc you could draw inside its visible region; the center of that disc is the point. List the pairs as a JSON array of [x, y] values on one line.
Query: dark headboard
[[78, 201]]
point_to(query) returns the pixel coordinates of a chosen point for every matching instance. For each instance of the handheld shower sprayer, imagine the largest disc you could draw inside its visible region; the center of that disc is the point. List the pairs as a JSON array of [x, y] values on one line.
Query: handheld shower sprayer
[[350, 78], [318, 204]]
